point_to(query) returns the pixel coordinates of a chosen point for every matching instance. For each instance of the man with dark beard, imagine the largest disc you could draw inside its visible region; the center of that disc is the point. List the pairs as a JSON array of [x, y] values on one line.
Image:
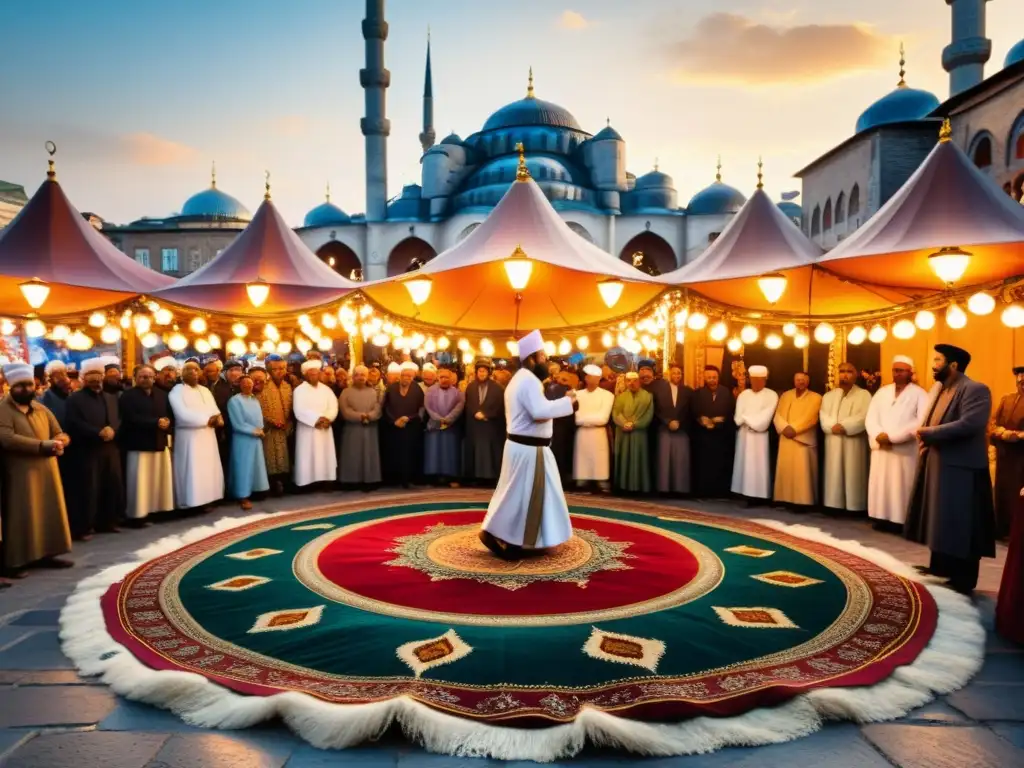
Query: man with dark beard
[[94, 460], [714, 437], [55, 398], [528, 510], [112, 383], [951, 508], [166, 373]]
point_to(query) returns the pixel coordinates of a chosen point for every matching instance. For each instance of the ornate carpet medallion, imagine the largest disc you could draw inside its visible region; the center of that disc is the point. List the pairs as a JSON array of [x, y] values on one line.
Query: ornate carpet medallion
[[444, 552], [648, 612]]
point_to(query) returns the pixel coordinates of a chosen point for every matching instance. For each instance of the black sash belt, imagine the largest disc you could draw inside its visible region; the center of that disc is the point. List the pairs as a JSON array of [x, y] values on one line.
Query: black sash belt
[[536, 442]]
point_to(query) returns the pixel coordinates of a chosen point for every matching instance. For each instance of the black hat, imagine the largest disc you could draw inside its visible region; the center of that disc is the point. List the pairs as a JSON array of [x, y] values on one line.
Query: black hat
[[483, 362], [233, 363], [1018, 370], [954, 354], [646, 363]]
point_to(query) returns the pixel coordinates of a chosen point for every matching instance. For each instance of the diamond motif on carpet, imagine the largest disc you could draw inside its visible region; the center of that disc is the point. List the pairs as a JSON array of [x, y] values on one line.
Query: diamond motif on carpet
[[254, 554], [314, 527], [294, 618], [748, 551], [768, 618], [421, 655], [786, 579], [238, 583], [624, 649]]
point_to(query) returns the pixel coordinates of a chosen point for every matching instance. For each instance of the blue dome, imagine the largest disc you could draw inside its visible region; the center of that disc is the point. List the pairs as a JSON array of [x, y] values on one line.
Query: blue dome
[[326, 215], [1014, 55], [719, 198], [213, 204], [563, 183], [452, 138], [531, 111], [899, 106], [655, 180], [607, 134], [409, 206], [792, 210]]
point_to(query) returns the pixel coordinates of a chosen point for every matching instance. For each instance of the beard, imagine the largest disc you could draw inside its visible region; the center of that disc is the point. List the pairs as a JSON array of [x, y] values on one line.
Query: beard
[[942, 374], [23, 398], [540, 370]]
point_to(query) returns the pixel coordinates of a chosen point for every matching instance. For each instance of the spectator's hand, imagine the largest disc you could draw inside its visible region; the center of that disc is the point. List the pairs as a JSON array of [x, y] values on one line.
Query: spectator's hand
[[838, 429], [106, 435], [258, 433], [64, 439], [212, 422], [883, 439], [673, 426], [789, 432], [163, 424], [479, 416]]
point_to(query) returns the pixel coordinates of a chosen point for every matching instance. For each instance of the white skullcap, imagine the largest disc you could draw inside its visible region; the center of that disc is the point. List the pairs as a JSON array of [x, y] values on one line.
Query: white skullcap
[[394, 368], [409, 365], [312, 364], [94, 365], [429, 367], [591, 370], [905, 360], [166, 362], [54, 365], [110, 360], [530, 343], [632, 375], [261, 364], [758, 372], [360, 369], [16, 373]]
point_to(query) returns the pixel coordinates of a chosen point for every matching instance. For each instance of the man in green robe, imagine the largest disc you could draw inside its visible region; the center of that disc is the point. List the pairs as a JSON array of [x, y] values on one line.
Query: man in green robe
[[632, 414]]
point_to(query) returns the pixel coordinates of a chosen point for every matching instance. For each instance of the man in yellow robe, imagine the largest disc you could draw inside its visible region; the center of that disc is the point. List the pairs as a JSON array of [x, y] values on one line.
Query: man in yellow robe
[[632, 414], [796, 421], [276, 402]]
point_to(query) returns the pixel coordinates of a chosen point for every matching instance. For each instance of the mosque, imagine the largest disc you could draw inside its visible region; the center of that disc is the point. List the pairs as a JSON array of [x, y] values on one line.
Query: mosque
[[585, 176]]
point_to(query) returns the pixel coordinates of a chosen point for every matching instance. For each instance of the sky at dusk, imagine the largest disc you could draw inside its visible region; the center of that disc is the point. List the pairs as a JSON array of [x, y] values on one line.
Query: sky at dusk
[[140, 97]]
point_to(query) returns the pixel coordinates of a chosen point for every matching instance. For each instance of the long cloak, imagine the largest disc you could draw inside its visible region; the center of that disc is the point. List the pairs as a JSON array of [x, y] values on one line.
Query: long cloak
[[149, 471], [315, 459], [632, 462], [751, 472], [222, 392], [891, 478], [592, 454], [1010, 608], [563, 431], [247, 473], [672, 451], [713, 449], [97, 500], [1009, 462], [359, 443], [198, 475], [796, 469], [276, 402], [403, 460], [846, 455], [33, 518], [485, 439], [443, 443]]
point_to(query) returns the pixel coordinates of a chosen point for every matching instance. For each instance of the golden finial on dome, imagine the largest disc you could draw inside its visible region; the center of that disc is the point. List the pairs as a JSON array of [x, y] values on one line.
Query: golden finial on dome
[[718, 170], [946, 132], [760, 175], [51, 170], [522, 172], [655, 163], [266, 185], [903, 64], [529, 87], [328, 191], [213, 174]]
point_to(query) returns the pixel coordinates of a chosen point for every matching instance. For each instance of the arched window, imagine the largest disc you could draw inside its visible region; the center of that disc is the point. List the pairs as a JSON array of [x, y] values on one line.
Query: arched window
[[826, 219], [1018, 151], [982, 152], [1015, 142], [853, 209], [816, 222], [841, 208]]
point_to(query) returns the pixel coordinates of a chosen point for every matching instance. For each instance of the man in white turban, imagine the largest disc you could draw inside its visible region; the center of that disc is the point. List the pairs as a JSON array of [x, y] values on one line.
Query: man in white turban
[[528, 509], [429, 376], [592, 455], [755, 409], [198, 474], [843, 413], [394, 373], [895, 413], [315, 408]]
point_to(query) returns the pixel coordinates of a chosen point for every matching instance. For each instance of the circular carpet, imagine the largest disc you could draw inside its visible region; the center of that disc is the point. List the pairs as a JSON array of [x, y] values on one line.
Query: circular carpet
[[648, 614]]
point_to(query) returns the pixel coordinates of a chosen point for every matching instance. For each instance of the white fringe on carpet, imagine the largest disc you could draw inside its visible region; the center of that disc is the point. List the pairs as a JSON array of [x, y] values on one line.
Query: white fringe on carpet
[[953, 656]]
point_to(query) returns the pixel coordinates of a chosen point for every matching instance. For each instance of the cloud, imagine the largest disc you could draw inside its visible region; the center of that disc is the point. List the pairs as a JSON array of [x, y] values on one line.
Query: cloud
[[727, 48], [573, 20], [148, 149]]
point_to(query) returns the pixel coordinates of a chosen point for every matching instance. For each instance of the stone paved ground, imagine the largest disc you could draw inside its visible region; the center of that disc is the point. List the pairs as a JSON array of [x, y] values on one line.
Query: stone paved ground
[[50, 718]]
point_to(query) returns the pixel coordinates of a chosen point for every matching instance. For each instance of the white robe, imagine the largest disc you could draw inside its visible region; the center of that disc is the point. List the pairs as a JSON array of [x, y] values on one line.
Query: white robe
[[751, 469], [315, 459], [892, 469], [198, 475], [592, 456], [846, 456], [150, 483], [507, 512]]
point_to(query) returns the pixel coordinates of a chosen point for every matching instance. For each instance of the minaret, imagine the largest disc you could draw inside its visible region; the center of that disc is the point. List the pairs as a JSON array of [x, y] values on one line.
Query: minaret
[[375, 79], [964, 58], [427, 136]]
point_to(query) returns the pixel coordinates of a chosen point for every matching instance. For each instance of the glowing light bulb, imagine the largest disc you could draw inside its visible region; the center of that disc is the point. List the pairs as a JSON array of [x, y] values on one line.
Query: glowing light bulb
[[486, 347], [800, 340], [443, 343], [176, 342], [512, 347], [582, 343], [198, 325], [904, 329], [564, 347], [303, 345], [773, 341], [36, 329], [7, 327], [241, 330], [857, 335], [772, 287], [1013, 316], [611, 291], [549, 348], [284, 347], [257, 292], [877, 334], [949, 264], [734, 344], [215, 341], [329, 321], [35, 292], [325, 344], [749, 334], [271, 332], [607, 340], [97, 319], [163, 317], [463, 344], [925, 320], [236, 347], [789, 329], [110, 334], [698, 321], [981, 303], [824, 333], [142, 324], [956, 318], [202, 346], [719, 331], [148, 339], [60, 333], [419, 289]]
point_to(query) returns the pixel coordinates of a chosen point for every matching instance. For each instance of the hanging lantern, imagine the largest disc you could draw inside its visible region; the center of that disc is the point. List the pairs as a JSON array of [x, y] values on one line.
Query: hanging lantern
[[749, 334], [60, 332], [981, 304], [258, 292], [268, 346], [877, 334], [215, 341], [956, 318], [698, 321], [176, 342], [240, 330], [463, 345], [772, 287], [198, 325], [1013, 316], [35, 292], [163, 317], [36, 329], [857, 335], [824, 333], [734, 345], [142, 324], [800, 340], [789, 329], [419, 289], [518, 268], [773, 341], [443, 343], [904, 329], [110, 334], [148, 340], [949, 264], [582, 343], [719, 331], [236, 347], [925, 320], [97, 319], [430, 347], [202, 346], [564, 347], [79, 342], [7, 327], [611, 291]]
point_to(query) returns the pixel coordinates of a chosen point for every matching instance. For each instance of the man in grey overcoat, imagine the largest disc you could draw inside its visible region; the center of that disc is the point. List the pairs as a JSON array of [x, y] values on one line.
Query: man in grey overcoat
[[951, 508]]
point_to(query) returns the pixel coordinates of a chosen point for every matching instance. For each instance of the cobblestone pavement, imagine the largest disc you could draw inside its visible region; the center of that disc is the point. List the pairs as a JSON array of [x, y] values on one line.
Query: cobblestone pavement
[[50, 718]]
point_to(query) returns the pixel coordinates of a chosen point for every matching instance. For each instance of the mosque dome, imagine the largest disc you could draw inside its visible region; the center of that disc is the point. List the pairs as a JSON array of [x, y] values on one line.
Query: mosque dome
[[213, 204], [409, 205], [452, 138], [607, 134], [655, 180], [562, 182], [719, 198], [326, 214], [792, 210], [1014, 55], [531, 111], [901, 105]]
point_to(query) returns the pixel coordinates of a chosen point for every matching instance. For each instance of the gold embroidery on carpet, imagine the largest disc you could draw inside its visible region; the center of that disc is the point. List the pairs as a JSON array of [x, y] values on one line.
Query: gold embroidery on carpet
[[421, 655], [624, 649], [292, 618], [754, 617], [786, 579], [238, 583], [749, 551]]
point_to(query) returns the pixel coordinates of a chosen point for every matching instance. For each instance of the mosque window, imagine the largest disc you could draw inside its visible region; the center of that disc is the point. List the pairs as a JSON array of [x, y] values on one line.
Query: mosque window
[[826, 218], [853, 209], [841, 208], [1018, 152], [816, 222], [142, 256], [982, 154], [169, 260]]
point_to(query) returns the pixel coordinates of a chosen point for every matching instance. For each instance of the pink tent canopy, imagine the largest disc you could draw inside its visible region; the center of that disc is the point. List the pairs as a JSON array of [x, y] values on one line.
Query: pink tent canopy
[[267, 250], [50, 240], [762, 240], [470, 289], [948, 202]]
